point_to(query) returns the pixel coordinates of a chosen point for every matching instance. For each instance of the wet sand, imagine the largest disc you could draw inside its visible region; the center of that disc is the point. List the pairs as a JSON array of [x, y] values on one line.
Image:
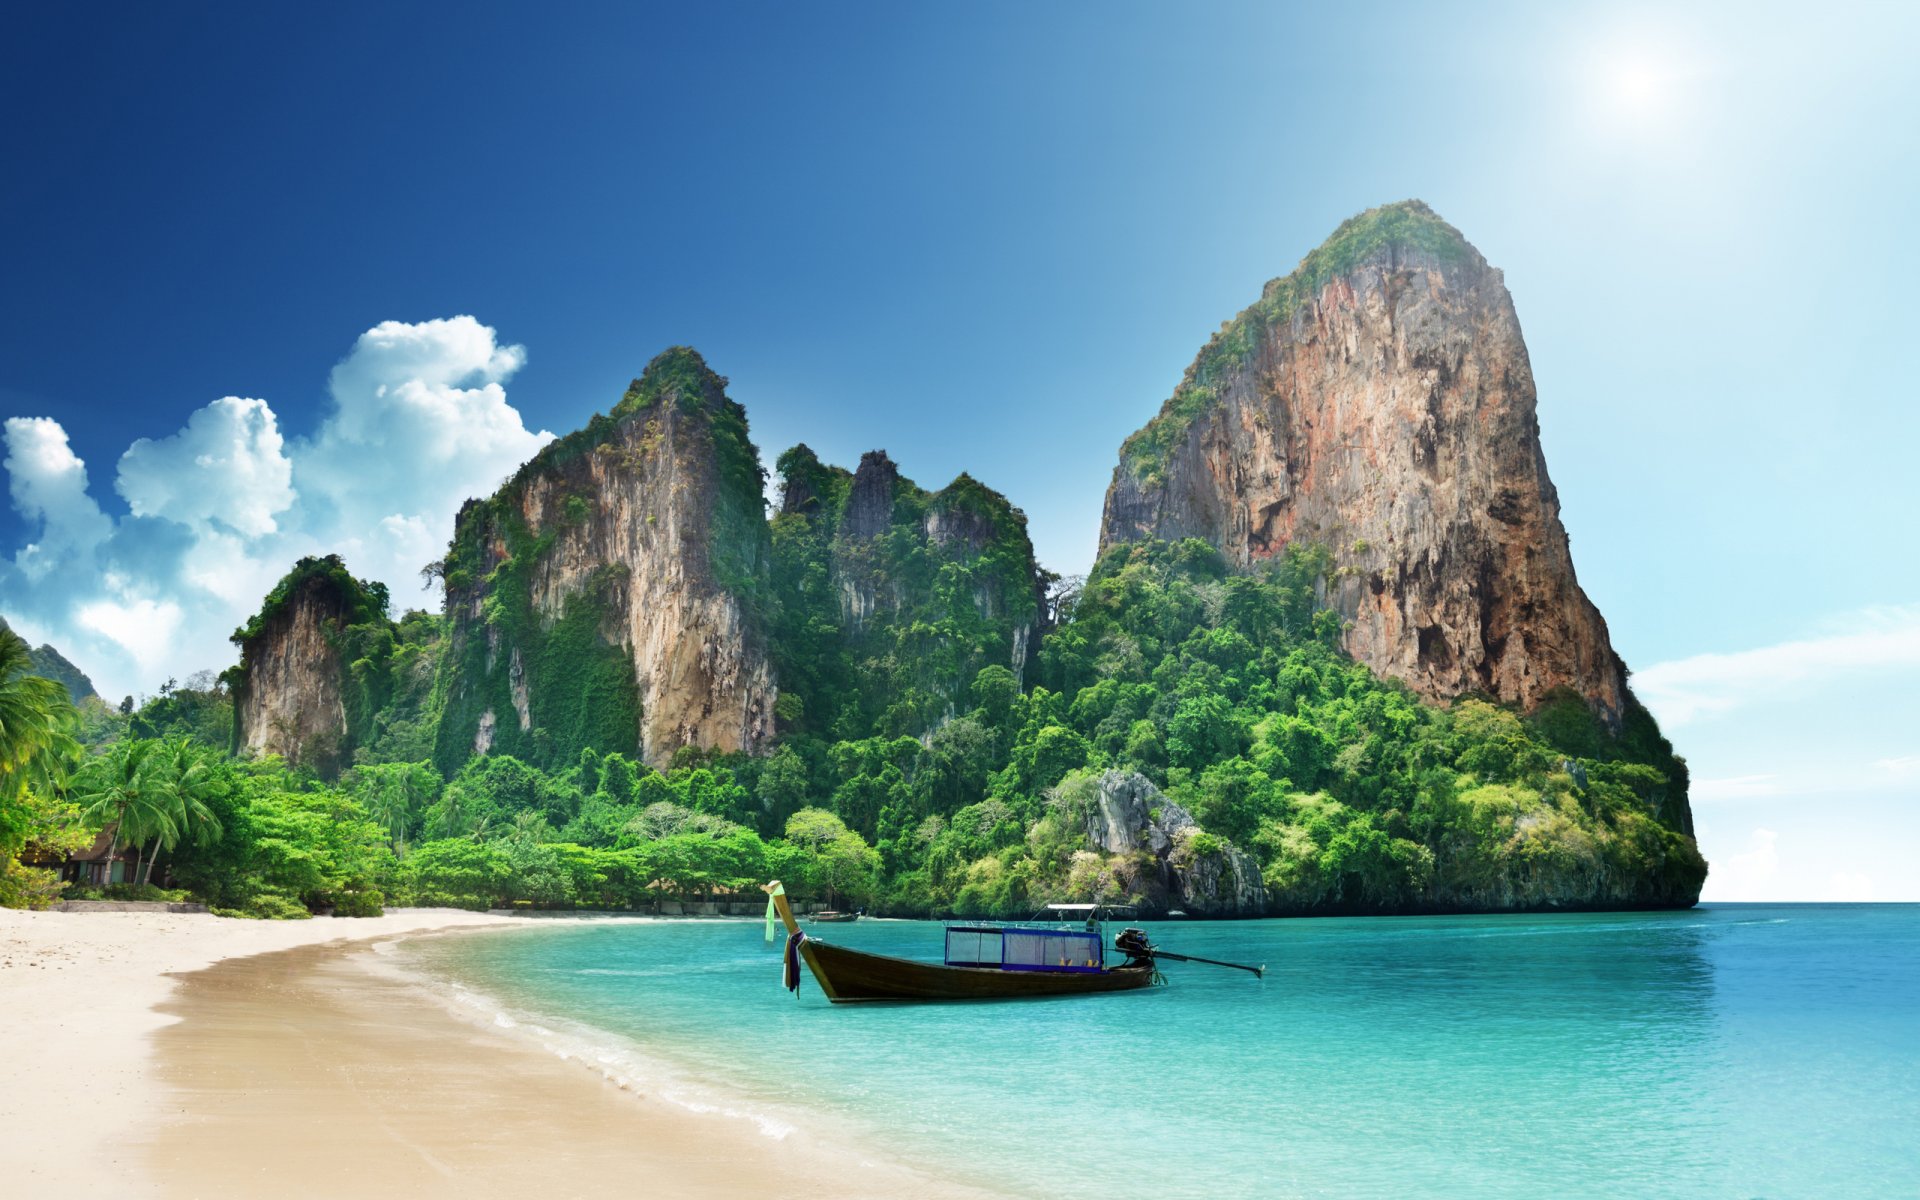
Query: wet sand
[[78, 1002], [317, 1072]]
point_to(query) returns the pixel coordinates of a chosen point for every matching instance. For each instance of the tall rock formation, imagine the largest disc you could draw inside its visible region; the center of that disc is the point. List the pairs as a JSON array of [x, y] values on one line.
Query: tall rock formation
[[293, 694], [605, 596], [894, 598], [1378, 402]]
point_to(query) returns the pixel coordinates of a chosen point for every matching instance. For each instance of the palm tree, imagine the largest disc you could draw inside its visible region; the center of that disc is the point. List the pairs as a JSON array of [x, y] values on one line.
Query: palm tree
[[186, 781], [37, 748], [125, 792], [393, 792]]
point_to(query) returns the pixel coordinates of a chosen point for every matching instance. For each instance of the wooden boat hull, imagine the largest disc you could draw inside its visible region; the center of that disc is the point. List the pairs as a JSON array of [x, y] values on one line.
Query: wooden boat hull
[[854, 975]]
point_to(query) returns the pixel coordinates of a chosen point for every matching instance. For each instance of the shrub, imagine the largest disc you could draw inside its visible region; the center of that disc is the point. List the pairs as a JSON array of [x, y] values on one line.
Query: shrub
[[22, 886], [267, 906], [361, 902]]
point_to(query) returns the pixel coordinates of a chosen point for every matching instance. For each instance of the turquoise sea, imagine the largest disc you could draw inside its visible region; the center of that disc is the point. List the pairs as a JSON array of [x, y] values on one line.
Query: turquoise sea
[[1732, 1050]]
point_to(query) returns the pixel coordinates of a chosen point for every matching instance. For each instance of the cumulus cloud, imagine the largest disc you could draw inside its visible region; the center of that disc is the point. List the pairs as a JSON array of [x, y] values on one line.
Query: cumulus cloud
[[48, 483], [419, 422], [1873, 640], [421, 412], [227, 466]]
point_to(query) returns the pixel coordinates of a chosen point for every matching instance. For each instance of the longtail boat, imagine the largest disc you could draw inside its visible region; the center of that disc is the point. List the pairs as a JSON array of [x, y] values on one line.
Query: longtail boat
[[983, 962], [830, 917]]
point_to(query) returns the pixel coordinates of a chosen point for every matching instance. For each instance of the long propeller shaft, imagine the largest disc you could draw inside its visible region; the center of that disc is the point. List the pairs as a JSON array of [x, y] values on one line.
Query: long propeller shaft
[[1212, 962]]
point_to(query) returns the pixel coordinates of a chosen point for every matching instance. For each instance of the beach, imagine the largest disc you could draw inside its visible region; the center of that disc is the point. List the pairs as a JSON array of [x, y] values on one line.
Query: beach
[[179, 1055]]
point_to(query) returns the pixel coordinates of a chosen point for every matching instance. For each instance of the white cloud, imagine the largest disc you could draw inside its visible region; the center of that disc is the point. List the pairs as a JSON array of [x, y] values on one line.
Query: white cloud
[[222, 508], [48, 483], [145, 628], [1904, 766], [226, 466], [1872, 641]]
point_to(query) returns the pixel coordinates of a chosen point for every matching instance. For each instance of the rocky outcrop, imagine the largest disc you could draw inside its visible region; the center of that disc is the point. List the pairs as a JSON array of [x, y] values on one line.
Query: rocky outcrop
[[915, 591], [602, 597], [869, 511], [1185, 868], [1378, 402], [290, 689]]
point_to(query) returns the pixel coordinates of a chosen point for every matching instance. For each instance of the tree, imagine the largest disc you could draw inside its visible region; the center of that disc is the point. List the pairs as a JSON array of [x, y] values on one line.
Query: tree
[[837, 858], [455, 872], [124, 792], [186, 782], [1203, 730], [37, 748], [396, 795], [783, 787]]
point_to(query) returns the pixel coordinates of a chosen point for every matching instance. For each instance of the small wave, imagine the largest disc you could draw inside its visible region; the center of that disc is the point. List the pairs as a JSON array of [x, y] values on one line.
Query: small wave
[[610, 1056]]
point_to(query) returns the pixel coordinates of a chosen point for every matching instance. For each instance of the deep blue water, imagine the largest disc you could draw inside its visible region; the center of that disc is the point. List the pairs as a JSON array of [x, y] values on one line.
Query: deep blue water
[[1733, 1050]]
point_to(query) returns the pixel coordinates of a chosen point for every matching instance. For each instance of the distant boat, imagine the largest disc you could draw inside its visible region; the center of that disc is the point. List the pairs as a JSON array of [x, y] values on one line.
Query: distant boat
[[829, 917], [983, 962]]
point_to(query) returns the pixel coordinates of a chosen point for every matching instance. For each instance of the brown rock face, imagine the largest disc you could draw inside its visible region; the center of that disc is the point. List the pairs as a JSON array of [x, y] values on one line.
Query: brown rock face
[[635, 529], [1379, 402], [288, 697]]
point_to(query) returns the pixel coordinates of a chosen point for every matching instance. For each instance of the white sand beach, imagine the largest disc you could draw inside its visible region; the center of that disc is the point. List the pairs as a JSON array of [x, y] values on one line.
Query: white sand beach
[[189, 1055]]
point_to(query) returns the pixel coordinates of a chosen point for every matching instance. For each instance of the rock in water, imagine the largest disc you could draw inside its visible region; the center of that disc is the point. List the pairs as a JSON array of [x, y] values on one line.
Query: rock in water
[[1378, 402], [603, 596]]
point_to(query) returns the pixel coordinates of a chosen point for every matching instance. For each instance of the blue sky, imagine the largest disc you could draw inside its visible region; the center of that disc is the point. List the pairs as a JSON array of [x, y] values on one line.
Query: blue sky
[[985, 238]]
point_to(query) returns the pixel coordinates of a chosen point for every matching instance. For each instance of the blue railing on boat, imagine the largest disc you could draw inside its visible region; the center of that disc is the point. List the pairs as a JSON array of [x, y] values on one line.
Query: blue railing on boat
[[1018, 948]]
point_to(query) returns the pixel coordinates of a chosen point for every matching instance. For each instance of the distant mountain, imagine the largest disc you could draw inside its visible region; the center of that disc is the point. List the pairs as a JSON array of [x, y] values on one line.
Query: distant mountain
[[49, 663]]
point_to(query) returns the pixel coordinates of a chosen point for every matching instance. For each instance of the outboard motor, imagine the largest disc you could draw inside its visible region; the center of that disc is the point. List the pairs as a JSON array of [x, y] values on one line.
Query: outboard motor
[[1133, 943]]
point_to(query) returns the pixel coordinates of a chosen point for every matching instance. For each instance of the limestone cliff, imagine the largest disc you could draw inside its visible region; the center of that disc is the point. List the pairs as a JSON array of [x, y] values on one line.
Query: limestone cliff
[[604, 596], [1378, 402], [894, 598], [292, 691]]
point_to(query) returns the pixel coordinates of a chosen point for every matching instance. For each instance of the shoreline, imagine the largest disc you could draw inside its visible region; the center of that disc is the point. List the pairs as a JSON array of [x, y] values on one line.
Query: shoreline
[[187, 1055]]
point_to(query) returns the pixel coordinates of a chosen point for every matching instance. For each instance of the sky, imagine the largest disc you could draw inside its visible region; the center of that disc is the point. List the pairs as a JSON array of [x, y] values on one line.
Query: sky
[[281, 280]]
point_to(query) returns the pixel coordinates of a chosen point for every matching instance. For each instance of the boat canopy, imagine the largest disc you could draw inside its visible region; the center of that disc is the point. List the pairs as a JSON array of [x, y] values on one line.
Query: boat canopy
[[1017, 948], [1085, 912]]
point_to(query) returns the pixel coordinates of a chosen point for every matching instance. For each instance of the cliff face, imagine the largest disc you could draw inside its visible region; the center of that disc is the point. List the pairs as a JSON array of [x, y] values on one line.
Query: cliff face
[[894, 598], [602, 597], [291, 690], [1379, 402]]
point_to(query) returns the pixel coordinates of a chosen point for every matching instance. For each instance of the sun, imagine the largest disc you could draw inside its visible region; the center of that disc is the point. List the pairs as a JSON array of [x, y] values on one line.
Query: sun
[[1637, 84]]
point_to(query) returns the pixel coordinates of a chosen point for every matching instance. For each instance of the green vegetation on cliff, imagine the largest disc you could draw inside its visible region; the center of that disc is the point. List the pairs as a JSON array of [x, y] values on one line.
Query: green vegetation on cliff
[[943, 736], [1407, 225], [353, 617], [887, 600], [569, 675]]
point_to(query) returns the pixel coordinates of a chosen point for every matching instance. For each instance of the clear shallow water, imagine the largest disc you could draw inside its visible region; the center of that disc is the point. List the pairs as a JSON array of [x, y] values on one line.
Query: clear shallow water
[[1734, 1050]]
